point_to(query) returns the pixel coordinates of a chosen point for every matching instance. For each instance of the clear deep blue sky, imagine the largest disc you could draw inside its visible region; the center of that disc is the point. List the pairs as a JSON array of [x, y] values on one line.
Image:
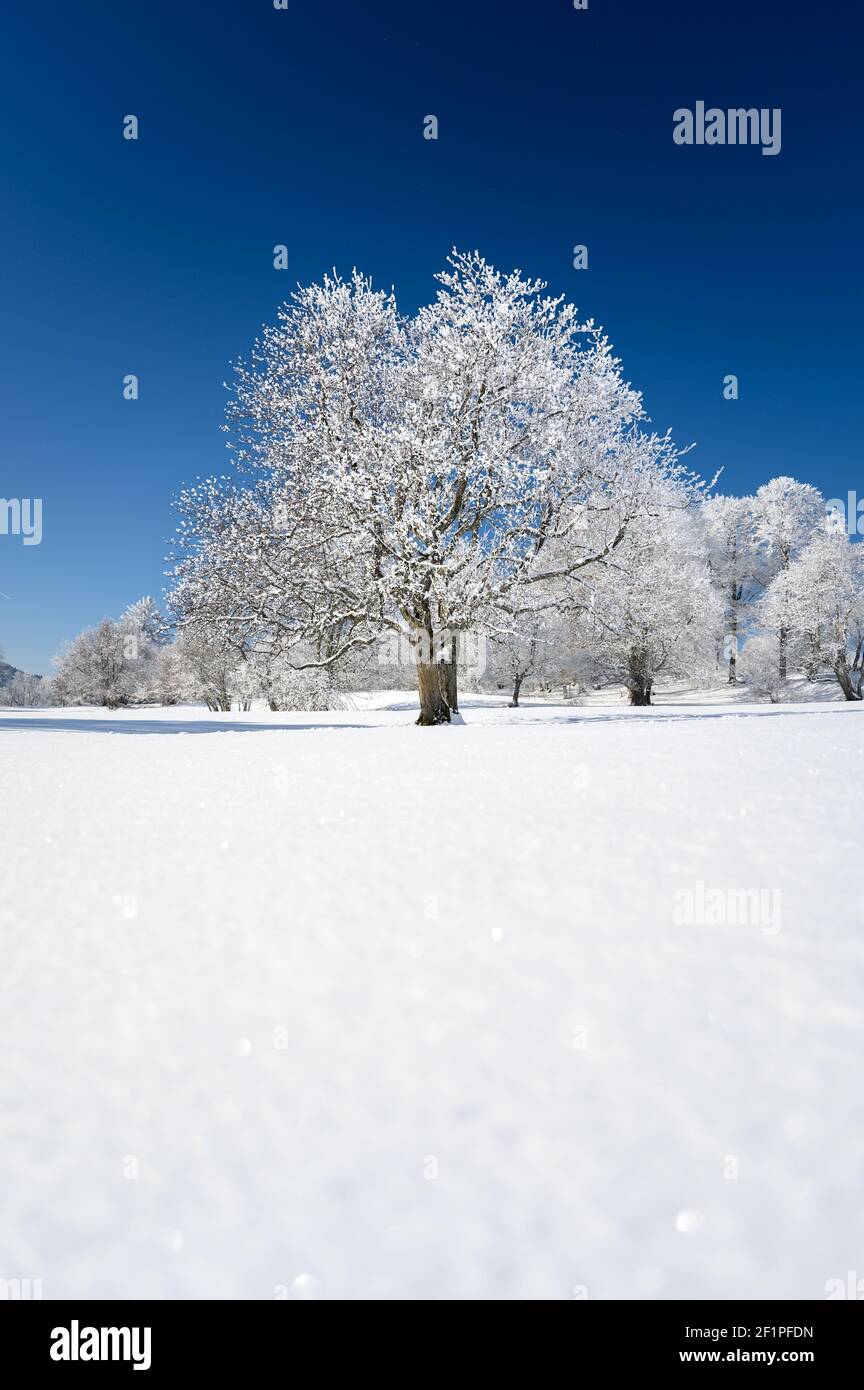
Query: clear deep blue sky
[[304, 127]]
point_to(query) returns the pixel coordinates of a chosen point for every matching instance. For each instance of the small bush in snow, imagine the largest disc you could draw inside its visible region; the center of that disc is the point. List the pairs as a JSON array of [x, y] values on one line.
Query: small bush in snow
[[760, 662]]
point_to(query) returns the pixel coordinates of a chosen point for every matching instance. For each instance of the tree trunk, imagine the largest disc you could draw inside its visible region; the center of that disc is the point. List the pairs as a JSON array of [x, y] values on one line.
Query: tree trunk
[[449, 677], [517, 686], [640, 693], [784, 642], [454, 680], [639, 677], [851, 691], [434, 707]]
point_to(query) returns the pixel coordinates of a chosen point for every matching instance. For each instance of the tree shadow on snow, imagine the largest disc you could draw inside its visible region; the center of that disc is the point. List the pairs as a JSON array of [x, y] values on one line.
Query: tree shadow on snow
[[667, 716], [162, 726]]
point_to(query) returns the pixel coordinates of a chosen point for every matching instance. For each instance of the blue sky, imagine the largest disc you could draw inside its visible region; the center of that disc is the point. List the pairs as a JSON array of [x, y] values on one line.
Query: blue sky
[[304, 127]]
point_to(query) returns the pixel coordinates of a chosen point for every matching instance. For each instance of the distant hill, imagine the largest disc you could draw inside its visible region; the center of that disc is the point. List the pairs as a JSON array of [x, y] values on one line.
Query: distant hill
[[8, 673]]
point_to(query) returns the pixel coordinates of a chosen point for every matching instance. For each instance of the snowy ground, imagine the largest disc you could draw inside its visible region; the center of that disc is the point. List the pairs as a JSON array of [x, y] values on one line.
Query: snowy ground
[[396, 1012]]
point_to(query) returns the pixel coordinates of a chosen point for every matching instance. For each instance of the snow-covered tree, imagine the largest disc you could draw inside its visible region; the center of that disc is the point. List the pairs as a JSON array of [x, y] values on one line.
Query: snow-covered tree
[[285, 687], [96, 668], [146, 634], [168, 677], [26, 692], [761, 665], [409, 475], [525, 644], [147, 622], [653, 610], [737, 562], [212, 671], [112, 664], [787, 515], [820, 599]]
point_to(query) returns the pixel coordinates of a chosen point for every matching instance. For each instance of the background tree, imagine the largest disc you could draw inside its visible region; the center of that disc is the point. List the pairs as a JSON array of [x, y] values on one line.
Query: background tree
[[787, 515], [761, 666], [820, 598], [112, 664], [24, 691], [737, 562], [653, 611], [145, 619], [524, 644], [95, 668], [213, 671]]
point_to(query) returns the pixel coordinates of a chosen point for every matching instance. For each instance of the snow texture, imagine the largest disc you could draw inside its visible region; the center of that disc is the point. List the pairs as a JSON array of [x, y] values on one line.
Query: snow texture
[[329, 1006]]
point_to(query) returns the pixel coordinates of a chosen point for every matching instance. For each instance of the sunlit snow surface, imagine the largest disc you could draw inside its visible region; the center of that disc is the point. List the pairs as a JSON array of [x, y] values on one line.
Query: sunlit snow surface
[[331, 1006]]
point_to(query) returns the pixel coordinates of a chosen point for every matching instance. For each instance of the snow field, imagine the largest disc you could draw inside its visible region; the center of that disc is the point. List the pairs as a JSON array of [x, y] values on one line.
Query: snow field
[[328, 1005]]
